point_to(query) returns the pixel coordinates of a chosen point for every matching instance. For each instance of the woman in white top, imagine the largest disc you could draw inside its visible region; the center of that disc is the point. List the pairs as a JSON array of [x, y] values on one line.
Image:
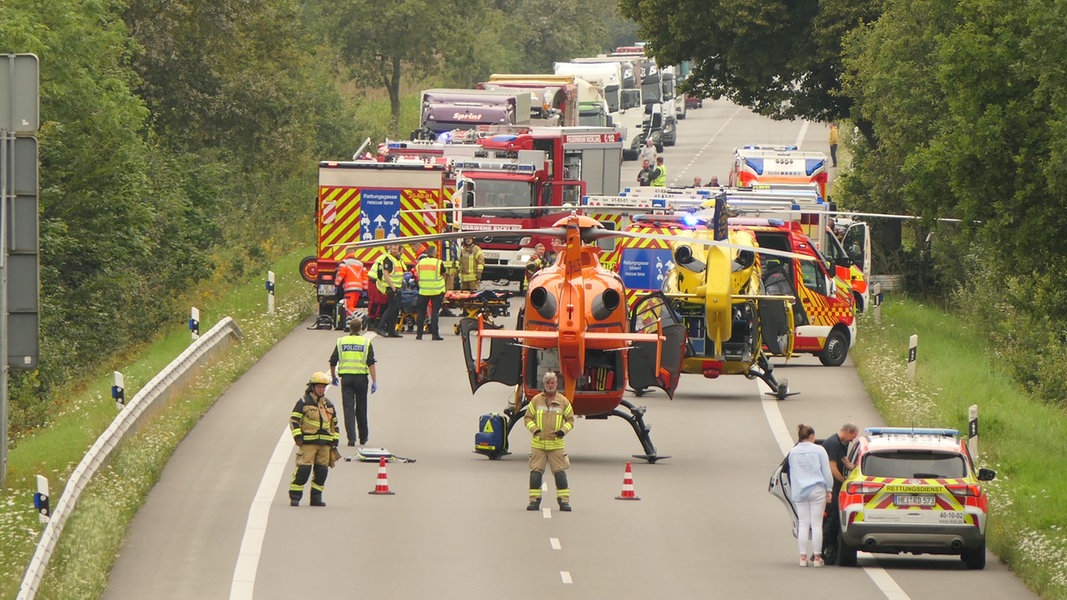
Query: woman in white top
[[810, 483]]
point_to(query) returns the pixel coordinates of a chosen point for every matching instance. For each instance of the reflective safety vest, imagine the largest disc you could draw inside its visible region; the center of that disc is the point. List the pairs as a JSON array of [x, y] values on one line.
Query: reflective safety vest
[[397, 275], [352, 355], [314, 421], [428, 272], [546, 418], [471, 264], [350, 275], [661, 179]]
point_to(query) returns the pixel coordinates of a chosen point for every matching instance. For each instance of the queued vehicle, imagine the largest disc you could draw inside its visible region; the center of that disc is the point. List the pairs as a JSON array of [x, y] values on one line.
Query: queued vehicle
[[913, 491]]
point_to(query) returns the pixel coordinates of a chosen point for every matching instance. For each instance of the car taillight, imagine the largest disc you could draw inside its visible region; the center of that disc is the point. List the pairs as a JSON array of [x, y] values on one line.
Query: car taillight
[[864, 488], [963, 490]]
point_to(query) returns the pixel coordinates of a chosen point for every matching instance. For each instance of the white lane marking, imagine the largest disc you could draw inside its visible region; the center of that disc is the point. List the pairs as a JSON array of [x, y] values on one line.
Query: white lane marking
[[546, 512], [882, 580], [566, 577], [244, 572], [554, 542], [885, 582], [678, 175], [800, 135]]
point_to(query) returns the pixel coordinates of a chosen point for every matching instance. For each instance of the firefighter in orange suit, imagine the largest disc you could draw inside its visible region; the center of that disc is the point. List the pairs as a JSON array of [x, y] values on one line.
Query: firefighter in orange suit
[[313, 424], [350, 276], [549, 417]]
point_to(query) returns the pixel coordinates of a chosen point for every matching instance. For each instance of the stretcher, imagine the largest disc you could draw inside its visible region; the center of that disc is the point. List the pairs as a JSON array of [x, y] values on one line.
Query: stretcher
[[375, 455], [487, 303]]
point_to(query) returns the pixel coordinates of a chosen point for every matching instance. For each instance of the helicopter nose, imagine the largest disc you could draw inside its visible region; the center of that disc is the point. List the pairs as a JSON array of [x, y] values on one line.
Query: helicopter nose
[[605, 304], [543, 302]]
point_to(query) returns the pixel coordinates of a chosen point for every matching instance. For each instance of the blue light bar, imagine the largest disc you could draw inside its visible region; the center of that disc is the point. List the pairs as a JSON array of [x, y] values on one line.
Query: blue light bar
[[911, 431], [813, 164]]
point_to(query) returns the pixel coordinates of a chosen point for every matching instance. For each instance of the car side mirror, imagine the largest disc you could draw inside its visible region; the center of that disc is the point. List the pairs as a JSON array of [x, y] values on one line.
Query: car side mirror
[[986, 474]]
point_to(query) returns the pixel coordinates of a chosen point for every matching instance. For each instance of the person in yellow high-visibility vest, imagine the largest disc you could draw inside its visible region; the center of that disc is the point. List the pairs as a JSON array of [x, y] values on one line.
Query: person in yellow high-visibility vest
[[430, 273], [659, 174], [392, 277]]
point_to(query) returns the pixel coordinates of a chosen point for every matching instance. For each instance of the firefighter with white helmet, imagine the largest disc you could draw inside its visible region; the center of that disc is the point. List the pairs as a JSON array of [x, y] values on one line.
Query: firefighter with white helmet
[[313, 424]]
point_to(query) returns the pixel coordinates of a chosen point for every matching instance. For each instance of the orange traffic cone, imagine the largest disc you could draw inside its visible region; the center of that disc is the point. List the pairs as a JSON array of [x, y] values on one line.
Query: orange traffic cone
[[382, 486], [628, 486]]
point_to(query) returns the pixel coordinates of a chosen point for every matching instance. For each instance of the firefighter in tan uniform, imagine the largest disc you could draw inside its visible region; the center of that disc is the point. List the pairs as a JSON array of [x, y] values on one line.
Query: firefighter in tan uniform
[[549, 417], [471, 265], [313, 424]]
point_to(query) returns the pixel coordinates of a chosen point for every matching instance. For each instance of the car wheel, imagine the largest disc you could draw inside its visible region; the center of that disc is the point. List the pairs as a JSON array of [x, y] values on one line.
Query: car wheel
[[975, 559], [846, 555], [836, 349]]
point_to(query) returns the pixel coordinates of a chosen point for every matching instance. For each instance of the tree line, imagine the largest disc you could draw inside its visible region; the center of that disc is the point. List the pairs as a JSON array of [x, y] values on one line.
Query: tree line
[[179, 139], [959, 111]]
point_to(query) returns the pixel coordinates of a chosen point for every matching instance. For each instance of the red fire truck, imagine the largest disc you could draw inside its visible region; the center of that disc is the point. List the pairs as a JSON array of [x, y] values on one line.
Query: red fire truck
[[519, 180]]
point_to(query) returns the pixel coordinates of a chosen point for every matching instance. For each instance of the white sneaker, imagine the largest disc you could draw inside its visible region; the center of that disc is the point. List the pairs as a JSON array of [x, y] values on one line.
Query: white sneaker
[[817, 562], [803, 560]]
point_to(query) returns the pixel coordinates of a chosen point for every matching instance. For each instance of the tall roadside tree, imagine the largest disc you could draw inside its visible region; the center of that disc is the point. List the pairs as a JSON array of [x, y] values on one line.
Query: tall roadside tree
[[383, 42], [781, 58], [98, 226]]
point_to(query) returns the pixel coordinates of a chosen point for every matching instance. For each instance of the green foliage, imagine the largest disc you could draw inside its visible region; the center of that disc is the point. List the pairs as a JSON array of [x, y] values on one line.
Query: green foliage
[[780, 58], [960, 363], [1023, 314], [93, 536]]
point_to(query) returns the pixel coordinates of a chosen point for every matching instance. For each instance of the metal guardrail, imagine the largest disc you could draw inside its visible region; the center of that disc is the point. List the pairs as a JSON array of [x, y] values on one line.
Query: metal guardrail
[[110, 439]]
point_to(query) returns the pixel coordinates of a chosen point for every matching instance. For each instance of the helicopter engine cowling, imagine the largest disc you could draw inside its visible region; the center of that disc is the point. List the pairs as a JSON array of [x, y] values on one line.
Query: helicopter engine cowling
[[683, 257], [606, 303], [543, 302]]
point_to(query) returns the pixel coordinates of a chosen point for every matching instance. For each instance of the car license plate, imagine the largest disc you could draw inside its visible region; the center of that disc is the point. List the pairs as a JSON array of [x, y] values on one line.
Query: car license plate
[[914, 500], [492, 255], [326, 289]]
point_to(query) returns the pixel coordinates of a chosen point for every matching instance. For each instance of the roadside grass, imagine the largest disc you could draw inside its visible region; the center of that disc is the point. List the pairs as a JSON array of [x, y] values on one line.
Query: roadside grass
[[93, 535], [1024, 440]]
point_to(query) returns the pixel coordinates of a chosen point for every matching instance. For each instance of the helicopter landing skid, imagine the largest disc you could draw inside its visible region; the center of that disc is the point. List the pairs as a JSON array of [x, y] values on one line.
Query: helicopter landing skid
[[636, 420], [763, 370]]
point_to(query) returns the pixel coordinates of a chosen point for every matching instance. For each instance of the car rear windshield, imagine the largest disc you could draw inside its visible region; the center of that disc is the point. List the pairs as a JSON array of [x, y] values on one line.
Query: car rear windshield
[[914, 464]]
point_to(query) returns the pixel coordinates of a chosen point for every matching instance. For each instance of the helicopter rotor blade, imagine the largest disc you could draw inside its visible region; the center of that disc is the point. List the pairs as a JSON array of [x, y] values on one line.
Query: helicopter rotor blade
[[452, 235], [703, 242]]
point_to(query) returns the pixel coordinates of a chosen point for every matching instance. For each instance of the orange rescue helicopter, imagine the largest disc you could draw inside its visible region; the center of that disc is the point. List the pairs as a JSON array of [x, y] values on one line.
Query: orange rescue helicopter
[[575, 322]]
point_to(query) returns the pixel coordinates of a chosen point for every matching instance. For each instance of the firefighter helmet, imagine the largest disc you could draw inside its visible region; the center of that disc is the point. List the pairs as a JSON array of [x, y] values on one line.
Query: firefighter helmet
[[319, 378]]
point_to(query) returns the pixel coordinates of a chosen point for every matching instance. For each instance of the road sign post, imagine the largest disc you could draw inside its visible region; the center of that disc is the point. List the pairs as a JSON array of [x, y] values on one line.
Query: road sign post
[[19, 320], [913, 351]]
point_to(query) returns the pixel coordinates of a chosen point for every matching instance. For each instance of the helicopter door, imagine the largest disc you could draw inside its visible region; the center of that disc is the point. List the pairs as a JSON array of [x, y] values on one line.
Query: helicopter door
[[642, 368], [504, 364], [779, 488]]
